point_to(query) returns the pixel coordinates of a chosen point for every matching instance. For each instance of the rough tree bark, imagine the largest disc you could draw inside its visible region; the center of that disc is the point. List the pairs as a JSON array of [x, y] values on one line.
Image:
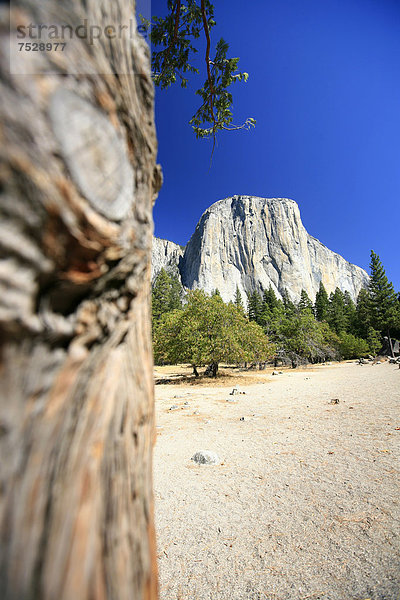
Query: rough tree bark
[[211, 370], [78, 179]]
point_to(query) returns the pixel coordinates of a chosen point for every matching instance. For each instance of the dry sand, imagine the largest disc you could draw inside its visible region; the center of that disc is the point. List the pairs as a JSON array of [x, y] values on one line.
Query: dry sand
[[305, 501]]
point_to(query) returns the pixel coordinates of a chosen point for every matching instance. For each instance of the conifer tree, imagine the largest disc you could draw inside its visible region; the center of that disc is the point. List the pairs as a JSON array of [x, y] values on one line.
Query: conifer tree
[[270, 299], [349, 311], [321, 303], [363, 313], [254, 306], [166, 294], [238, 302], [305, 303], [289, 306], [272, 313], [384, 306], [337, 314], [373, 340]]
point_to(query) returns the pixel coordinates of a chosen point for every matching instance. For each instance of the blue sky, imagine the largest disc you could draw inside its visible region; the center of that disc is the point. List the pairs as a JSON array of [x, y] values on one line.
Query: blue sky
[[324, 86]]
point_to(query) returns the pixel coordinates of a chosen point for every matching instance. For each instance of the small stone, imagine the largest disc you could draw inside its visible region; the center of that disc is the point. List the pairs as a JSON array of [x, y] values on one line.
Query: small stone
[[275, 373], [242, 418], [196, 412], [186, 403], [205, 457], [231, 400], [334, 401], [174, 407]]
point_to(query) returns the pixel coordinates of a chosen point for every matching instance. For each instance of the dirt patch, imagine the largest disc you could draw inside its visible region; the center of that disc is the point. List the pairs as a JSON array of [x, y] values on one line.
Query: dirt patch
[[305, 500]]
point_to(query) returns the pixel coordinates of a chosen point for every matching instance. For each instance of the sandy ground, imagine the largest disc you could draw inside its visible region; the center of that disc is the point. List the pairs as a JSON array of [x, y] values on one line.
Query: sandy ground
[[305, 501]]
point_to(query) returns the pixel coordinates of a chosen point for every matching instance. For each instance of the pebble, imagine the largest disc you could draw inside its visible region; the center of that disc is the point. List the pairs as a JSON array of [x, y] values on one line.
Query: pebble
[[174, 407], [205, 457]]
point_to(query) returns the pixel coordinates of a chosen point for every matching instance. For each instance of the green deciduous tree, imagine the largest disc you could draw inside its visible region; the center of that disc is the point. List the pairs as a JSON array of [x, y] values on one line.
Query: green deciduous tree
[[351, 346], [208, 331], [302, 338]]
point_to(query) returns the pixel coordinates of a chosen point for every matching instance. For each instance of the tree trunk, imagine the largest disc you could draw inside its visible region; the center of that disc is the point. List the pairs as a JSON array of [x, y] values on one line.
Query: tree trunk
[[77, 183], [195, 371], [390, 345], [211, 370]]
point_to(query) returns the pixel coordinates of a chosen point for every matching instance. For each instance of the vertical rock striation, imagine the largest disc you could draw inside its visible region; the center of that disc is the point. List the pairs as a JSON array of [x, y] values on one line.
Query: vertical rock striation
[[165, 255], [252, 243]]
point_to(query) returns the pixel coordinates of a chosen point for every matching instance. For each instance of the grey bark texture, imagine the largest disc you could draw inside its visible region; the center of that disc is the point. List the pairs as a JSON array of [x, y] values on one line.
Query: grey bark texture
[[77, 180]]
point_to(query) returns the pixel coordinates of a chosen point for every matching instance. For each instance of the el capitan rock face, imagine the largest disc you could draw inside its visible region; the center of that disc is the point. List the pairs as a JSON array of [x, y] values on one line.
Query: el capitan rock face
[[253, 243], [165, 255]]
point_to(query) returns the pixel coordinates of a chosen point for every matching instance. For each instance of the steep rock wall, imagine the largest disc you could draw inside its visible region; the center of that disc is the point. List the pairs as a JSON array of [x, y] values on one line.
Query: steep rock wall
[[252, 243]]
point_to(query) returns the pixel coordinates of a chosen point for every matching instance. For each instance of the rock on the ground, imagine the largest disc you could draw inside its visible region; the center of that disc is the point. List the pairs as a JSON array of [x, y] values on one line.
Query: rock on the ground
[[205, 457]]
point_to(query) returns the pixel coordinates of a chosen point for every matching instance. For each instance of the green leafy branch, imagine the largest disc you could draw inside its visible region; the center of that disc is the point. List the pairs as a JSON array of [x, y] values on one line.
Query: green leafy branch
[[174, 34]]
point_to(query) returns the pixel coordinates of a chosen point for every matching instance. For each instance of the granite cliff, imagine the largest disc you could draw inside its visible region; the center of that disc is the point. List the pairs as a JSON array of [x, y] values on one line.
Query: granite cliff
[[252, 243]]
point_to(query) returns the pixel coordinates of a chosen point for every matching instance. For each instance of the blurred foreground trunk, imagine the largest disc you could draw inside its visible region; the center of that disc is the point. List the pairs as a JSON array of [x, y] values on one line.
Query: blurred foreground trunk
[[78, 179]]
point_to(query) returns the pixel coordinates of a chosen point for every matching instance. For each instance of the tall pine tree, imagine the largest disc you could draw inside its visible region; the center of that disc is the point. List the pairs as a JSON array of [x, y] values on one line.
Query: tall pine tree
[[349, 311], [305, 303], [254, 306], [238, 302], [384, 306], [321, 303], [363, 314], [337, 318], [166, 294]]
